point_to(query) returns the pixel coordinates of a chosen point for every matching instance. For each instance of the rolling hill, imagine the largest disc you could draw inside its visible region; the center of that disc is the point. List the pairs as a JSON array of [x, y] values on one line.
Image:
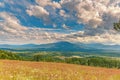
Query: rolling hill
[[25, 70]]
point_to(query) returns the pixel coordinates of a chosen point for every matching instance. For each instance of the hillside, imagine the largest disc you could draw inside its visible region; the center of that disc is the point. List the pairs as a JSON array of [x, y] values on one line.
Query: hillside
[[71, 58], [9, 55], [23, 70]]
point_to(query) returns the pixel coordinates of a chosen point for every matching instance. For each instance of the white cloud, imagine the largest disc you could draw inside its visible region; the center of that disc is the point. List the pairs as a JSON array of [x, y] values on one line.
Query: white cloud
[[48, 3], [2, 4], [65, 26], [43, 3], [106, 38], [10, 24], [98, 17], [95, 14], [12, 32], [63, 13], [38, 11], [55, 5]]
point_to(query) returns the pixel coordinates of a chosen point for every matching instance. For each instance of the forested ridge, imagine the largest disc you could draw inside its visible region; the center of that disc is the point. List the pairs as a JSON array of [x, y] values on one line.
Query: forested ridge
[[57, 57], [89, 61], [9, 55]]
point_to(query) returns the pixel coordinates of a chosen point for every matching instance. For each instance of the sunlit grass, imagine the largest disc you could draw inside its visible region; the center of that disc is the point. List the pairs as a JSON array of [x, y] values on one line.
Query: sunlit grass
[[22, 70]]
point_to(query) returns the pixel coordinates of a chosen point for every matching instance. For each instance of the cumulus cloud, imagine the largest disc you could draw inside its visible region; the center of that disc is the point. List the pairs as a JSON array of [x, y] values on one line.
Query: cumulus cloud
[[63, 13], [44, 10], [65, 26], [97, 16], [2, 4], [10, 24], [12, 32], [39, 12], [94, 14], [106, 38], [48, 3]]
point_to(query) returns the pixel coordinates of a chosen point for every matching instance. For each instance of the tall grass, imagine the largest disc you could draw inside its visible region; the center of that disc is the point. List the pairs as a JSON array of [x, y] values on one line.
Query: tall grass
[[23, 70]]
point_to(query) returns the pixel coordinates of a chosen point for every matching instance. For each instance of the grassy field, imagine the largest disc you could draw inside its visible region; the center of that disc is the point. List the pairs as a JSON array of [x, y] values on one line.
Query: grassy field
[[23, 70]]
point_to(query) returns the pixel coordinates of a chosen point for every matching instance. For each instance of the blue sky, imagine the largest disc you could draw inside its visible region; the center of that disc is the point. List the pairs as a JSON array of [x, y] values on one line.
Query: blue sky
[[38, 21]]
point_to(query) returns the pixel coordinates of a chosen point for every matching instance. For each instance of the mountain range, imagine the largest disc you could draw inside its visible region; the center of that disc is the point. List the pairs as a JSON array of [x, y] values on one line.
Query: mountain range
[[63, 46]]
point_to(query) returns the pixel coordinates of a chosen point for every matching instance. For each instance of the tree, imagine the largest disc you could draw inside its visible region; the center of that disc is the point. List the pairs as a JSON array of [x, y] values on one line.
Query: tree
[[117, 26]]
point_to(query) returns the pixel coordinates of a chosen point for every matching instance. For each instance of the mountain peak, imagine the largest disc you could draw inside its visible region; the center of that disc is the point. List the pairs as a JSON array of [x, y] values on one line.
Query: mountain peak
[[64, 42]]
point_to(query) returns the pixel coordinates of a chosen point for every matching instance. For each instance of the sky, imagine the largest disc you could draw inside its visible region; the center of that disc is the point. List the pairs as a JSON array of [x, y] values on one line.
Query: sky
[[47, 21]]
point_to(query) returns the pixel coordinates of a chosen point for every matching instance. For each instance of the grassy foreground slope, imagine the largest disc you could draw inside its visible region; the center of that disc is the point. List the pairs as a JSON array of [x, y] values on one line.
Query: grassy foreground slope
[[26, 70]]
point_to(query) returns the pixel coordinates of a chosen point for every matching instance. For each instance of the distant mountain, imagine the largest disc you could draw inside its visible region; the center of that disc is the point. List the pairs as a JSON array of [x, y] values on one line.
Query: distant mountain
[[63, 46], [100, 46]]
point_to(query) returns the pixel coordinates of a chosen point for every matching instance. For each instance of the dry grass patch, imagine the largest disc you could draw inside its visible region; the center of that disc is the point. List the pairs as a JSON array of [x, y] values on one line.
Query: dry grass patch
[[25, 70]]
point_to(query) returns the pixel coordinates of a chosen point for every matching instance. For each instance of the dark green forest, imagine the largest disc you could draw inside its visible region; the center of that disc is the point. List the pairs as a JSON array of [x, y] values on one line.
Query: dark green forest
[[89, 61], [9, 55]]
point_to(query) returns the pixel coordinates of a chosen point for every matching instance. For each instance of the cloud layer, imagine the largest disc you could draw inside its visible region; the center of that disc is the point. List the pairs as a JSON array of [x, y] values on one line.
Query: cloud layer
[[96, 16], [11, 31]]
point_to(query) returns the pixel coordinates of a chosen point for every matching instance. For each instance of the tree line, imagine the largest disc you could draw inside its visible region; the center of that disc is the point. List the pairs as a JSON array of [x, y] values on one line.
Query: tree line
[[89, 61], [9, 55], [56, 57]]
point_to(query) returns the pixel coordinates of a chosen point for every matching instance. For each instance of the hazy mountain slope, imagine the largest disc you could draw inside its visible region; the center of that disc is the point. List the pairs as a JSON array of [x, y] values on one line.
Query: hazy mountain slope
[[64, 46]]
